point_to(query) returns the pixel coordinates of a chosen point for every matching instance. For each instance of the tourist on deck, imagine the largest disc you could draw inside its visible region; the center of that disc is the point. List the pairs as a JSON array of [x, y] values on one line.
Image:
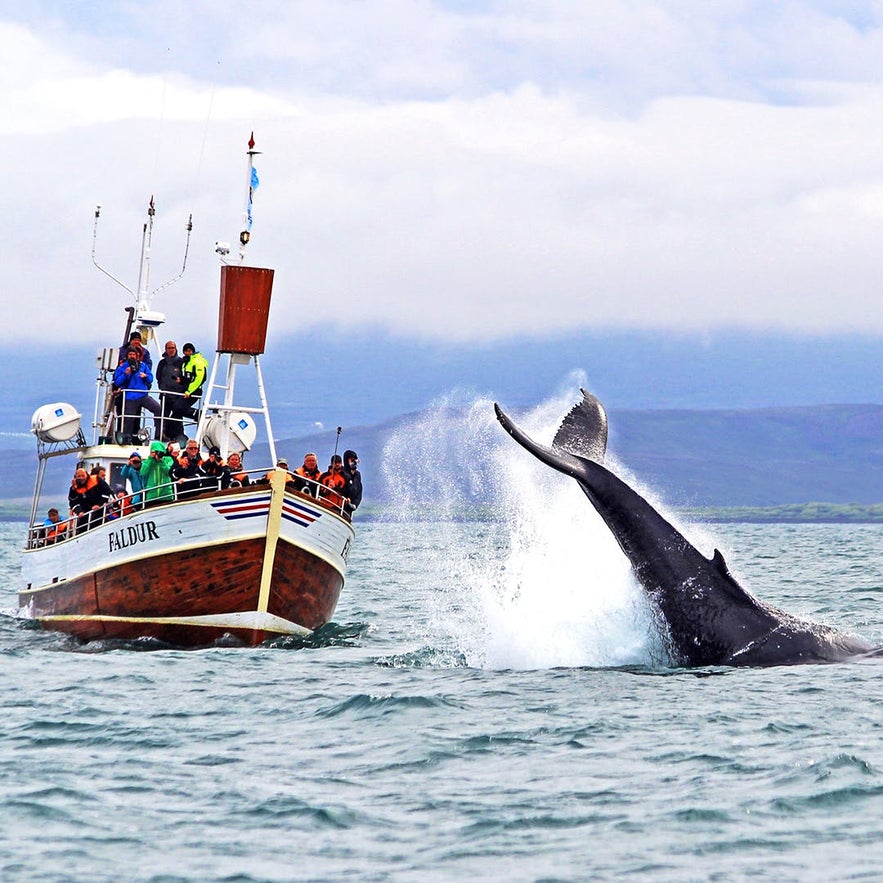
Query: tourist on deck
[[136, 342], [170, 380], [133, 379], [333, 483], [195, 370], [98, 490], [187, 472], [131, 473], [86, 501], [155, 474], [353, 489], [234, 475], [77, 500], [120, 504], [307, 476], [54, 527], [281, 464], [213, 467]]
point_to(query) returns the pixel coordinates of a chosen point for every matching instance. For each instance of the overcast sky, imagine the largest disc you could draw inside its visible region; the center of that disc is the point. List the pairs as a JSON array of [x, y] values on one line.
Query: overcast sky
[[459, 170]]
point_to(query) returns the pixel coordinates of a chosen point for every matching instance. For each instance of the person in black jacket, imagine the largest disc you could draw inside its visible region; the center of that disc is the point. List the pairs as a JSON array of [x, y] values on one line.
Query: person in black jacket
[[353, 489], [170, 380]]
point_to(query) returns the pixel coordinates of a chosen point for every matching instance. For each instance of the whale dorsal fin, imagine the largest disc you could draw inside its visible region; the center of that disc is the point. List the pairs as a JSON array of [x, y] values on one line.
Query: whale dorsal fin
[[718, 561], [583, 431]]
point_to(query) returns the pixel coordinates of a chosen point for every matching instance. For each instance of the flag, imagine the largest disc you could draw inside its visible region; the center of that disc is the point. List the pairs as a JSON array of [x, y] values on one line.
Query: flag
[[253, 185]]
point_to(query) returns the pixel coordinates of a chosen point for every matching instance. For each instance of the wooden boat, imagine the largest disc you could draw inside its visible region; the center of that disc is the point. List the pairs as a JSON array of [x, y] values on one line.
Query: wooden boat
[[251, 562]]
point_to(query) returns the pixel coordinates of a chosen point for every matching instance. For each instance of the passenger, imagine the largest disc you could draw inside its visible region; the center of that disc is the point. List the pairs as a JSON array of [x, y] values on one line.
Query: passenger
[[86, 500], [234, 475], [170, 380], [120, 504], [187, 473], [353, 490], [143, 353], [54, 527], [155, 475], [132, 379], [281, 463], [213, 467], [195, 370], [307, 476], [99, 491], [77, 500], [131, 473], [333, 483]]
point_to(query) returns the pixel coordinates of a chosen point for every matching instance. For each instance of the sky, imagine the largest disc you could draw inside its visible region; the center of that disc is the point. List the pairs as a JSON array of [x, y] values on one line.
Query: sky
[[458, 172]]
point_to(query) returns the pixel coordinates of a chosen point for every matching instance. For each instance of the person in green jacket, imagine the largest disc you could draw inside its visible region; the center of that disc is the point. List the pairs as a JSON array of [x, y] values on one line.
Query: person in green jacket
[[155, 474], [195, 371]]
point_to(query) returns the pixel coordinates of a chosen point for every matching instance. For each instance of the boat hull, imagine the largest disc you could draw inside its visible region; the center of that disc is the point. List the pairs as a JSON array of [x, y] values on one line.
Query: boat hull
[[245, 563]]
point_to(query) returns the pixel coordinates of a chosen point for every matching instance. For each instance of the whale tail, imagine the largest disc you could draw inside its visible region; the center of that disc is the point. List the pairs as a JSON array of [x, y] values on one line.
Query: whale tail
[[582, 436], [583, 431]]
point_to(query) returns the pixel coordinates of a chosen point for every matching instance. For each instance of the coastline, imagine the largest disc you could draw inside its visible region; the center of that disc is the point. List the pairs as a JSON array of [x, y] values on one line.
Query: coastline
[[787, 513]]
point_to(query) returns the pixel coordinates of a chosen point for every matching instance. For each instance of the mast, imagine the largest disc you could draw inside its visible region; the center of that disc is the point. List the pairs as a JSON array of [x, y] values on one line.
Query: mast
[[243, 317], [251, 185]]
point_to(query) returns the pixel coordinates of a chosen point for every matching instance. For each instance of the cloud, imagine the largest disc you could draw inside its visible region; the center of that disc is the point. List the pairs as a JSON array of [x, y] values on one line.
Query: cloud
[[449, 173]]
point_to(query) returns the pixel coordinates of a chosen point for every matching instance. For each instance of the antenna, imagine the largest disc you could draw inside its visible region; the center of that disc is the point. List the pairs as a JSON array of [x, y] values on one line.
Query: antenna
[[143, 296]]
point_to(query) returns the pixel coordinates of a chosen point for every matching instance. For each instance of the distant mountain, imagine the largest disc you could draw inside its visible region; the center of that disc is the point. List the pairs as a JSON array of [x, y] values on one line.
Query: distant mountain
[[332, 376], [718, 458]]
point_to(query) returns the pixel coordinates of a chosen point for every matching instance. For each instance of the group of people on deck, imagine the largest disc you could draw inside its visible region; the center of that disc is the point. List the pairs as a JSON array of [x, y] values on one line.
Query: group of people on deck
[[170, 473], [180, 380], [340, 484]]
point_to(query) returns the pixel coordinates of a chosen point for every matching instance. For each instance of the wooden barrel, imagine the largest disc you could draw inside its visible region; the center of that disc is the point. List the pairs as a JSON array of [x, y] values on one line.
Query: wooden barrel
[[244, 309]]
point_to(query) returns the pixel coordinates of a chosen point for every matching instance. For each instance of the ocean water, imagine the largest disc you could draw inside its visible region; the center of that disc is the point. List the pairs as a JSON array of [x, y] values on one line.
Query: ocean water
[[493, 701]]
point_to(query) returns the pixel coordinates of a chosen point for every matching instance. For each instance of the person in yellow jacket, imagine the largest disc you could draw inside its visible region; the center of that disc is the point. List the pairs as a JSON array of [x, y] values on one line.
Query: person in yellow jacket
[[194, 367]]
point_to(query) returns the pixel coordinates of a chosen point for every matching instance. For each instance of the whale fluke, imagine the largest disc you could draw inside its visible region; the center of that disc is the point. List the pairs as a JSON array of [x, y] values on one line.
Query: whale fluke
[[583, 431]]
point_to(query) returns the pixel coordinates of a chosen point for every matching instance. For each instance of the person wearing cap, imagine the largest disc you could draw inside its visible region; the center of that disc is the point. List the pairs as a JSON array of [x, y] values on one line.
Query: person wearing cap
[[353, 489], [282, 464], [194, 367], [333, 483], [132, 380], [131, 474], [307, 476], [214, 466], [136, 341]]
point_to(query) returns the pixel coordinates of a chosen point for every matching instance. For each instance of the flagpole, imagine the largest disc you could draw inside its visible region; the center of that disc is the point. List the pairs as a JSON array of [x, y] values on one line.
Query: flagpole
[[251, 182]]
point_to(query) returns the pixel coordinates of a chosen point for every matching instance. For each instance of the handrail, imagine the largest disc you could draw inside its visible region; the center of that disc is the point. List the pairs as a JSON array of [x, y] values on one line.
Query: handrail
[[77, 525]]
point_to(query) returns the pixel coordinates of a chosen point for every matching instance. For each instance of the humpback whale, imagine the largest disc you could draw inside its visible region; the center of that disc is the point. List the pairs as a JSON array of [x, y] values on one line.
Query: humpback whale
[[711, 619]]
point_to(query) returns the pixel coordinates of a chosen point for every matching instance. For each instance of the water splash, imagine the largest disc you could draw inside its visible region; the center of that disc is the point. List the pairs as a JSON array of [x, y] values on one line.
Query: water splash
[[526, 574]]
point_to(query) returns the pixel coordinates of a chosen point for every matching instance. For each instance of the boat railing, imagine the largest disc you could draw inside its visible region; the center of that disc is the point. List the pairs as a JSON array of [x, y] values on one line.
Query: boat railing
[[40, 535], [169, 411]]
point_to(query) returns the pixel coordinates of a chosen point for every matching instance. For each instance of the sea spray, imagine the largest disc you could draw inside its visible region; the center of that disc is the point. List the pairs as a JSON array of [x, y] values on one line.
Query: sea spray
[[527, 575]]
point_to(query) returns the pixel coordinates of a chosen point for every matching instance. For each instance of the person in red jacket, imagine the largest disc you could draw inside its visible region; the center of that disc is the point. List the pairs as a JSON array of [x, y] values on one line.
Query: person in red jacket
[[333, 482]]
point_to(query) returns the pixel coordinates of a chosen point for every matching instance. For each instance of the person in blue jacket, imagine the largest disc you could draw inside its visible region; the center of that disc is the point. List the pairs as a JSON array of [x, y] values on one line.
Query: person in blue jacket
[[131, 472], [132, 381]]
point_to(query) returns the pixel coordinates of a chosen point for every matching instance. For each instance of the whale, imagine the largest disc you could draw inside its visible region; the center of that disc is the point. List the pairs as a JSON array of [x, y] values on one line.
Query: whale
[[709, 618]]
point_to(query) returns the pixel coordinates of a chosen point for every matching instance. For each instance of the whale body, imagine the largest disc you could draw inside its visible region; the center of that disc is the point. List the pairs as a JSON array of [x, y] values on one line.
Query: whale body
[[711, 619]]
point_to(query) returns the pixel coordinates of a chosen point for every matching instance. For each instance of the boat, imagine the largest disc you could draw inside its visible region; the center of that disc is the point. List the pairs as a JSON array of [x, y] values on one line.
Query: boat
[[218, 559]]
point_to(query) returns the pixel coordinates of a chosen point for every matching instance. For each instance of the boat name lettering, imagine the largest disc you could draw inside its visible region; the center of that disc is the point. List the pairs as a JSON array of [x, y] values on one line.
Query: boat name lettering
[[134, 533]]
